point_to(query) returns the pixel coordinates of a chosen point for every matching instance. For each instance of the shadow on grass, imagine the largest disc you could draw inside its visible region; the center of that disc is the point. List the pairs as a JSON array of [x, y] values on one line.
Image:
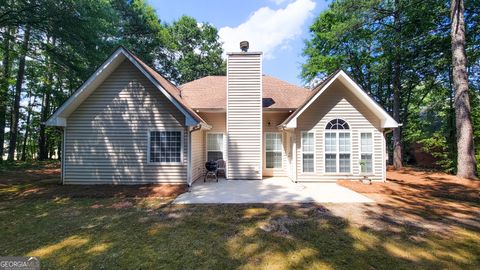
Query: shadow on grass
[[408, 229], [422, 202], [71, 232]]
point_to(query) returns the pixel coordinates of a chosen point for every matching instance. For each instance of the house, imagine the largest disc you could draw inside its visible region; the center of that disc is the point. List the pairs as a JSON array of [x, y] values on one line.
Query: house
[[129, 125]]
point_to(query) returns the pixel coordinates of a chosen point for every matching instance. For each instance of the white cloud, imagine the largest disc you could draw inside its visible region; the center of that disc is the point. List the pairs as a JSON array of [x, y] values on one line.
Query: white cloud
[[268, 30], [278, 2]]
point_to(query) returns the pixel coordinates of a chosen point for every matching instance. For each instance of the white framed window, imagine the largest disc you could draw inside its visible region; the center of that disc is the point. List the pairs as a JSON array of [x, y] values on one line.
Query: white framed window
[[165, 147], [308, 152], [337, 147], [330, 152], [366, 152], [273, 150], [215, 146]]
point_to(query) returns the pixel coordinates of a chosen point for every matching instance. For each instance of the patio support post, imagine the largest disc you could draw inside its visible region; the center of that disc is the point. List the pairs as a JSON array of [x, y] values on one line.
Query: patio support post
[[189, 156], [62, 158], [294, 156], [190, 130]]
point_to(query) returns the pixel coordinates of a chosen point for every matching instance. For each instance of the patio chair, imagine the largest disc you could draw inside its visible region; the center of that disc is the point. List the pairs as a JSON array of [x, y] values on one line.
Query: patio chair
[[221, 167]]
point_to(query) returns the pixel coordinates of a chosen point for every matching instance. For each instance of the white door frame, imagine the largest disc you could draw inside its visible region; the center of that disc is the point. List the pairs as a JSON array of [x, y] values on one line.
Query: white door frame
[[272, 171]]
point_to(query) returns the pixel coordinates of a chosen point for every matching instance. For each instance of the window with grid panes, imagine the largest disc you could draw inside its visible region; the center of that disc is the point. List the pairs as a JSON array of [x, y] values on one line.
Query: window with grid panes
[[308, 152], [214, 146], [273, 150], [165, 146], [366, 152], [337, 147]]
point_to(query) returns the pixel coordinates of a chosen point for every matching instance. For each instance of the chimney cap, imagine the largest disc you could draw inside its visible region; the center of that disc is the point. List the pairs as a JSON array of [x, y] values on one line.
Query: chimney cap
[[244, 45]]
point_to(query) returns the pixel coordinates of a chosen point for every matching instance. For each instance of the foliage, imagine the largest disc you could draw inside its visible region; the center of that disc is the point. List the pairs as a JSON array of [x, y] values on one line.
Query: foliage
[[363, 38], [195, 50], [22, 166], [437, 145], [71, 38]]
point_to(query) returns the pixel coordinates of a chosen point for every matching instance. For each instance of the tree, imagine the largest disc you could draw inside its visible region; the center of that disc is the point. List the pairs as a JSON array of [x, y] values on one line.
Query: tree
[[466, 163], [397, 84], [15, 115], [394, 50], [4, 85], [49, 48], [139, 29], [194, 51], [45, 110]]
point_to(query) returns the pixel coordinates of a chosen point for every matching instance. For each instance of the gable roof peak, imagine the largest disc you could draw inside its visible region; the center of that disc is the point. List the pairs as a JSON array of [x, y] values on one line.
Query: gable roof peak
[[171, 92], [386, 120]]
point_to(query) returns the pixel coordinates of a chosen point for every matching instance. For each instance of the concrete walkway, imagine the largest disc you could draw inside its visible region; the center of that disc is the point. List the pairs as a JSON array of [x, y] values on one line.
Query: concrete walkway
[[271, 190]]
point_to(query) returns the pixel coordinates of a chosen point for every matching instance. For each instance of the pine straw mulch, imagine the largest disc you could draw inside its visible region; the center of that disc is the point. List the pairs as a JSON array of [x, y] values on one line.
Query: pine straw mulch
[[44, 182]]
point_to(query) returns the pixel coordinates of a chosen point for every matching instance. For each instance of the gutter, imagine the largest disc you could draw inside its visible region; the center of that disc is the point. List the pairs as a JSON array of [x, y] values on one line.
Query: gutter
[[389, 130]]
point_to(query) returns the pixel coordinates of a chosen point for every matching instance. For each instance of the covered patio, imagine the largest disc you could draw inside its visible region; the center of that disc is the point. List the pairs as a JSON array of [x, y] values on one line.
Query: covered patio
[[268, 190]]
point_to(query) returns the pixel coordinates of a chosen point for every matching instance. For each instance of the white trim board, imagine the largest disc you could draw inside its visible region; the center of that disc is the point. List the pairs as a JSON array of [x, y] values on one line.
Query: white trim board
[[280, 170]]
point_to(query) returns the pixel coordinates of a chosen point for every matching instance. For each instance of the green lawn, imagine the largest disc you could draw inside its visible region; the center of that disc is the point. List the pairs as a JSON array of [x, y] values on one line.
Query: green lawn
[[150, 233]]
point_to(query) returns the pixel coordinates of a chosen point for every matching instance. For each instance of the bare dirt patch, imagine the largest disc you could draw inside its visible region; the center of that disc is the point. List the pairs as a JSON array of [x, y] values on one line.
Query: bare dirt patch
[[409, 181], [417, 200]]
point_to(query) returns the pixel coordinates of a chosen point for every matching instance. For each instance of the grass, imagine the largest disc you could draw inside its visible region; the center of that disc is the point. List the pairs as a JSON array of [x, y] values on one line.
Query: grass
[[151, 233], [12, 166]]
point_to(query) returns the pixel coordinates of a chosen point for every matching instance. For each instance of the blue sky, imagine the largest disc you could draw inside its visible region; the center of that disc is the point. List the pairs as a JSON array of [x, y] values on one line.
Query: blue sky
[[276, 27]]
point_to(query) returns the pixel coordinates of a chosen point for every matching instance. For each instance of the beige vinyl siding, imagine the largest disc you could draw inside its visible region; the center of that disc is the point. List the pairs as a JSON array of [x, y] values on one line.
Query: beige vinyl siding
[[244, 116], [271, 120], [197, 154], [199, 150], [216, 120], [107, 135], [338, 102], [219, 125]]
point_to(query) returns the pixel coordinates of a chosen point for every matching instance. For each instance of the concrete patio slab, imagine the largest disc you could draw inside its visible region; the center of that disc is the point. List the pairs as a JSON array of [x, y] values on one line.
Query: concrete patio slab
[[271, 190]]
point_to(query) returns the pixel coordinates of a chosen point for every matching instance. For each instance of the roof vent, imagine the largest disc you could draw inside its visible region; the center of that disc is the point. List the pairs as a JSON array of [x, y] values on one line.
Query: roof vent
[[244, 46]]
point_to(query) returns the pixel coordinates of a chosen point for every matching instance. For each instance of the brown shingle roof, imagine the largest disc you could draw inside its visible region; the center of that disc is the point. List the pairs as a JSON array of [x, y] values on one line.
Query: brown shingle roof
[[210, 93]]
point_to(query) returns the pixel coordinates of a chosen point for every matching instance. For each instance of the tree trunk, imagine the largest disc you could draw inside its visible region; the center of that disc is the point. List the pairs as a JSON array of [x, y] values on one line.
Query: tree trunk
[[466, 163], [18, 91], [397, 132], [59, 147], [4, 88], [451, 139], [397, 91], [27, 127], [42, 138]]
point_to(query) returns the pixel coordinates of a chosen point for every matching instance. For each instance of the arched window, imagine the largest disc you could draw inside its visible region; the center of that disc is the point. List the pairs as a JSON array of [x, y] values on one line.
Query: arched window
[[337, 124], [337, 147]]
